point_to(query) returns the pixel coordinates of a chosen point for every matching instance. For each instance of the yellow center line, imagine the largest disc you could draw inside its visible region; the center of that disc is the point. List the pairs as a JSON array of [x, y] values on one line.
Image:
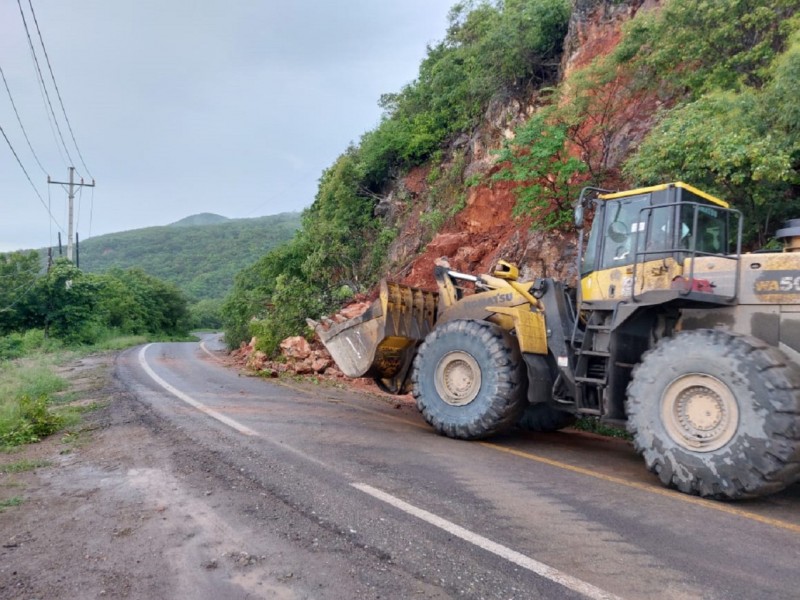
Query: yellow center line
[[653, 489]]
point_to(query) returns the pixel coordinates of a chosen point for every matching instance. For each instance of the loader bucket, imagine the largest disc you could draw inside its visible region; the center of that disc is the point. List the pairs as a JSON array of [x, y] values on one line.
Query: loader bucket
[[382, 342]]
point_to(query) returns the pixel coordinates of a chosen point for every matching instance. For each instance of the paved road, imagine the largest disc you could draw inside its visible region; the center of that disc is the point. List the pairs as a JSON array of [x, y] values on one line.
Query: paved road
[[372, 499]]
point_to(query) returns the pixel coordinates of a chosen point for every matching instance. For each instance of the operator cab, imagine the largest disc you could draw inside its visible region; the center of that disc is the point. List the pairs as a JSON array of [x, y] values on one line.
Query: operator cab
[[656, 231]]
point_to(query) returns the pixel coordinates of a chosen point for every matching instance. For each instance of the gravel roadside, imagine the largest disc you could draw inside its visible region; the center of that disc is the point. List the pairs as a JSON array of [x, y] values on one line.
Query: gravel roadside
[[131, 507]]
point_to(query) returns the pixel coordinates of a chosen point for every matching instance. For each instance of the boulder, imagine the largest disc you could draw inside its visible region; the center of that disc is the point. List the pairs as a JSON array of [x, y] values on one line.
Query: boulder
[[296, 347], [320, 364], [354, 310]]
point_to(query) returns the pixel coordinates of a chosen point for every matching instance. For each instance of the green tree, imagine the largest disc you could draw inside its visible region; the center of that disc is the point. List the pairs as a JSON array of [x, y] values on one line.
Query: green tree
[[702, 46], [134, 302], [64, 301], [18, 274], [537, 159], [742, 146], [491, 50], [206, 314]]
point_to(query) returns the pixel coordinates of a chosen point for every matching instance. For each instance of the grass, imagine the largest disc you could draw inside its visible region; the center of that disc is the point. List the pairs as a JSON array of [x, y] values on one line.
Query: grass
[[119, 343], [8, 503], [24, 465], [34, 399], [593, 425], [27, 386]]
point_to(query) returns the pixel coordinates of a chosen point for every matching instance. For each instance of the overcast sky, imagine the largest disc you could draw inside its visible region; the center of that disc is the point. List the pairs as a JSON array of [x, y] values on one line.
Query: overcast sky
[[181, 107]]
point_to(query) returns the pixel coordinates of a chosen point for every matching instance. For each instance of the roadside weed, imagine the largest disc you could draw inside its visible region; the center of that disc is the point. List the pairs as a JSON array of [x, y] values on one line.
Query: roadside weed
[[24, 465], [15, 501]]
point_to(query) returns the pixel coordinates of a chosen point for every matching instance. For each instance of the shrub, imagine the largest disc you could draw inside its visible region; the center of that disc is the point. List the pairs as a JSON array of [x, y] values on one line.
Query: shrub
[[537, 158], [33, 422]]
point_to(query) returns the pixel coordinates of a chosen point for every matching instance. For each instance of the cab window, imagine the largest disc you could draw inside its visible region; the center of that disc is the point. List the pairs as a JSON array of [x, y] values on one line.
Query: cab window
[[624, 224]]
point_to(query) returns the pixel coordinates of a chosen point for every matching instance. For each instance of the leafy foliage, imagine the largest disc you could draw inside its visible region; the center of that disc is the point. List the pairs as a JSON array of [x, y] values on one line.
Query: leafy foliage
[[18, 273], [737, 136], [133, 302], [76, 307], [63, 303], [26, 390], [537, 158], [704, 46], [206, 314], [33, 422], [493, 49]]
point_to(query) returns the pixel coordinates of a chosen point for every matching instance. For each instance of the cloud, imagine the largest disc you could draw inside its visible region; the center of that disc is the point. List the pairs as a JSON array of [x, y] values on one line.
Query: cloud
[[182, 107]]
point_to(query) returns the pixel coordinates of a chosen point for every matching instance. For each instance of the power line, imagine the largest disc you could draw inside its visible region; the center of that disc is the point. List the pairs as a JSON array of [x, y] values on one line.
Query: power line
[[41, 79], [19, 120], [28, 177], [20, 297], [55, 85]]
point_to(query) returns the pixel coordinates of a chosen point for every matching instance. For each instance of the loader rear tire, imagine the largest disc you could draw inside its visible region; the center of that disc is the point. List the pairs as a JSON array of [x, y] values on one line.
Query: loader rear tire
[[468, 380], [543, 418], [716, 414]]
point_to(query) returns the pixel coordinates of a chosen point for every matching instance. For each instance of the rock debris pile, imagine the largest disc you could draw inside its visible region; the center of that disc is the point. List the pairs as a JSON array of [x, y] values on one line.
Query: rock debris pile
[[299, 356]]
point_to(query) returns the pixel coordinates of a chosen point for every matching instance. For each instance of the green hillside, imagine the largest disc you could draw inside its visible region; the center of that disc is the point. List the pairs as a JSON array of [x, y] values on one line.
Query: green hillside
[[200, 219], [201, 259]]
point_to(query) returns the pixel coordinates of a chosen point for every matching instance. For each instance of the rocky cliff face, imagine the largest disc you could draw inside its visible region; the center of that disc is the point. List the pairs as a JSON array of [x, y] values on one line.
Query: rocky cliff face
[[485, 229], [595, 29]]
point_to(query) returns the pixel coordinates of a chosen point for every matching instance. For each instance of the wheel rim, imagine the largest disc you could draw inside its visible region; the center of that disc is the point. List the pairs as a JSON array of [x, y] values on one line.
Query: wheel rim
[[699, 412], [458, 378]]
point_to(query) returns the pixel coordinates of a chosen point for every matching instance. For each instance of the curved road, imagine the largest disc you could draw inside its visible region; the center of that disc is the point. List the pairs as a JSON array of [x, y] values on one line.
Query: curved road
[[372, 503]]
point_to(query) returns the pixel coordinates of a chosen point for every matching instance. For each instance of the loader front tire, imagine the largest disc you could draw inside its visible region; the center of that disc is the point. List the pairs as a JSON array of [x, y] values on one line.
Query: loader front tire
[[468, 380], [716, 414]]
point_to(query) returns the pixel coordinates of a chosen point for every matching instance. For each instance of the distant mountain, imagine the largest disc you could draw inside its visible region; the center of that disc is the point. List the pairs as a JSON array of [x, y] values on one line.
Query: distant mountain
[[201, 219], [201, 254]]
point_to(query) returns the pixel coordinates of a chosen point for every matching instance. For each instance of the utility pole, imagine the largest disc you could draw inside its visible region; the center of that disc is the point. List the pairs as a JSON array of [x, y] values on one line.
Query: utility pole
[[71, 193]]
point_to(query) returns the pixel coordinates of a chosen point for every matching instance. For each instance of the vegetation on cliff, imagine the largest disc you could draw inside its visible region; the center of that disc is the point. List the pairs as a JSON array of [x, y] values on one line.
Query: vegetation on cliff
[[734, 66], [711, 87], [714, 77], [491, 49]]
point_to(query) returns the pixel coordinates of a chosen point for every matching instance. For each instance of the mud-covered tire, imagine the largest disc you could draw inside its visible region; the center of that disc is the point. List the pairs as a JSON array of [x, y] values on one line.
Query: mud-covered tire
[[468, 380], [717, 414], [542, 418]]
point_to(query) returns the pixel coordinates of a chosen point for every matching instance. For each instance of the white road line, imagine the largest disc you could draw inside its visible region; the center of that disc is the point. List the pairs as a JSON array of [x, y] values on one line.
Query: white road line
[[207, 351], [541, 569], [191, 401]]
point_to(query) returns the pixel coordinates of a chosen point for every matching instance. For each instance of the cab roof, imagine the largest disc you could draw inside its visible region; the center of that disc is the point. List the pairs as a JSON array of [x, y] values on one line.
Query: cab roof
[[665, 186]]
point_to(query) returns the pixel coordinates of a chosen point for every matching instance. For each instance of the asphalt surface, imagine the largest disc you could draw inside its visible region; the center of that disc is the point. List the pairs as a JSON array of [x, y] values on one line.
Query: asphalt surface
[[370, 502]]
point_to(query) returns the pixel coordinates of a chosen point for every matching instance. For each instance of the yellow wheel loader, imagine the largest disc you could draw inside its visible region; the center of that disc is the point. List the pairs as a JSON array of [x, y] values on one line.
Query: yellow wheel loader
[[672, 332]]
